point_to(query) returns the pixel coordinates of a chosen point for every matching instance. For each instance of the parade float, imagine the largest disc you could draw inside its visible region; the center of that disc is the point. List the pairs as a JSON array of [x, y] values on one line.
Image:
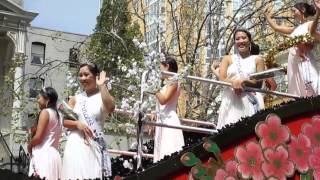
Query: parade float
[[280, 142]]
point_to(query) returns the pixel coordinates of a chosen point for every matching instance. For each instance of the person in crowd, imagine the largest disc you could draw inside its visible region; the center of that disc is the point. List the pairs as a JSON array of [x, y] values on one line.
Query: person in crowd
[[235, 69], [85, 154], [168, 140], [45, 159], [302, 71]]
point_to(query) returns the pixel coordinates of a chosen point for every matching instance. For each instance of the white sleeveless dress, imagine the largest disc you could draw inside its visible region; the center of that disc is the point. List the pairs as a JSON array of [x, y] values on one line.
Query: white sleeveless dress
[[234, 106], [45, 160], [168, 140], [82, 161], [301, 71]]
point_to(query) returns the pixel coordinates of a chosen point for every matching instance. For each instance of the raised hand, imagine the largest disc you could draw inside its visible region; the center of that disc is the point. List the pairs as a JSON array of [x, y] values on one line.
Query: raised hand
[[101, 80]]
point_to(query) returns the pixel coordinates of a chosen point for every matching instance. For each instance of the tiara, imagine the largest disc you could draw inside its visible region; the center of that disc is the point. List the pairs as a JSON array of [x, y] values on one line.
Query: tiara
[[88, 62]]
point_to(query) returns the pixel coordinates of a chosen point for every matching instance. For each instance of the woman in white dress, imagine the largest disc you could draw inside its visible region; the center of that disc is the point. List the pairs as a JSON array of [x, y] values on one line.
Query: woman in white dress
[[168, 140], [85, 154], [302, 70], [45, 159], [235, 69]]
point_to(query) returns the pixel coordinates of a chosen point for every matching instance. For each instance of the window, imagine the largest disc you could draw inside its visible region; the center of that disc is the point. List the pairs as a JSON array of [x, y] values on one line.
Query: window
[[35, 85], [73, 57], [37, 53]]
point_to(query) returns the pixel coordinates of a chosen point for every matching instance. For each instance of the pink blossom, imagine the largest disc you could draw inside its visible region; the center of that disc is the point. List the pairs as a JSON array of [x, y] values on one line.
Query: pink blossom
[[220, 174], [229, 172], [250, 159], [271, 132], [277, 163], [312, 131], [299, 152], [314, 162]]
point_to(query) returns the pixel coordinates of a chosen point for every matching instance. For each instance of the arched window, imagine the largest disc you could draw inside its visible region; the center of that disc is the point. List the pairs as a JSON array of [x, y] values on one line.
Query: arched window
[[38, 53]]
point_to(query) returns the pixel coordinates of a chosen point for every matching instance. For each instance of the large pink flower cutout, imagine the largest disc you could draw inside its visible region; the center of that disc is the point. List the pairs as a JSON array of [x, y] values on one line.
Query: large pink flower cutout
[[299, 152], [250, 159], [271, 132], [277, 163], [314, 162], [312, 131], [229, 172]]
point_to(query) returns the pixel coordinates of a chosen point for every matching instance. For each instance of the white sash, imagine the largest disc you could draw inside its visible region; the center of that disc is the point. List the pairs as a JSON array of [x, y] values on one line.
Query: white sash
[[98, 137]]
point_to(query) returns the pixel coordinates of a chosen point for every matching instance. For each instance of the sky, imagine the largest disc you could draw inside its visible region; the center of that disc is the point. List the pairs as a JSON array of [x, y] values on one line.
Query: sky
[[76, 16]]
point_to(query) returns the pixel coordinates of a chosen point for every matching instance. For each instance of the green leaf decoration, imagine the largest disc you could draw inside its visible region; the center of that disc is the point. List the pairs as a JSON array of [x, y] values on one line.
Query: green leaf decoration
[[189, 159], [211, 146], [198, 171], [306, 176]]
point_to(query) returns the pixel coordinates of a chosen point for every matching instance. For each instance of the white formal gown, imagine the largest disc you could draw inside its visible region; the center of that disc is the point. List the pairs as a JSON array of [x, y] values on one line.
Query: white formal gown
[[45, 160], [302, 70], [82, 161], [168, 140], [234, 106]]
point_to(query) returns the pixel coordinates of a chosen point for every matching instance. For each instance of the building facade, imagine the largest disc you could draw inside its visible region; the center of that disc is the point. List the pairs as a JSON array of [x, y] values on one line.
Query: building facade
[[30, 58]]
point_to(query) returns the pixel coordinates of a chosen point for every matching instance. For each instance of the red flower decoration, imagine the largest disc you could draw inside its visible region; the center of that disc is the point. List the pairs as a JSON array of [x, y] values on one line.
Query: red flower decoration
[[299, 152], [250, 159], [277, 163], [271, 132], [229, 172], [314, 162], [312, 131]]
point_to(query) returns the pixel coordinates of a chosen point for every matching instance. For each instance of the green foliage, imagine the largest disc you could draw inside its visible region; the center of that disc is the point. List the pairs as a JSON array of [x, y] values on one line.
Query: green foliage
[[112, 41], [112, 49]]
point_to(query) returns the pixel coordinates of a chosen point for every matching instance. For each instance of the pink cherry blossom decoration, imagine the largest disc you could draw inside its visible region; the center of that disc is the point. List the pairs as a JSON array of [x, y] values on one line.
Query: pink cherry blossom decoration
[[314, 162], [312, 131], [271, 132], [250, 159], [277, 163], [299, 152]]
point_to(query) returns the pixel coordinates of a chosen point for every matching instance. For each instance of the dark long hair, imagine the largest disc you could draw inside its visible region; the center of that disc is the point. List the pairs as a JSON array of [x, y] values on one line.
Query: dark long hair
[[51, 95], [93, 68], [306, 9], [173, 66], [255, 49]]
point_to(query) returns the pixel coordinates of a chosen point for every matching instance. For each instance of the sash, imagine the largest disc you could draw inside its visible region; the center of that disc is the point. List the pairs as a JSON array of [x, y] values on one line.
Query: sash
[[305, 65], [98, 138], [251, 95]]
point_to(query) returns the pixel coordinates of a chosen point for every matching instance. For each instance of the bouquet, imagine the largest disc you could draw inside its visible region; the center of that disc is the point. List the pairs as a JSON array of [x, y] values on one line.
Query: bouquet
[[66, 110]]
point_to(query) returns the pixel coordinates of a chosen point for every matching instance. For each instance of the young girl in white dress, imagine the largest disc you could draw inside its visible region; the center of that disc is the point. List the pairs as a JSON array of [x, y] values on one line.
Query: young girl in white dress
[[235, 69], [168, 140], [85, 154], [45, 159], [302, 70]]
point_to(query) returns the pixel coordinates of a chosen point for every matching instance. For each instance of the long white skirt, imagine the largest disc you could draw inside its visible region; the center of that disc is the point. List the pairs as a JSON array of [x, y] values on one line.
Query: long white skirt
[[81, 161], [234, 106], [46, 163], [167, 140], [298, 70]]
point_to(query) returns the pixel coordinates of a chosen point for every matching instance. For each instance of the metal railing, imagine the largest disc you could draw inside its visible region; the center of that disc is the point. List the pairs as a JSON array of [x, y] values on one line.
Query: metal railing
[[21, 162]]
